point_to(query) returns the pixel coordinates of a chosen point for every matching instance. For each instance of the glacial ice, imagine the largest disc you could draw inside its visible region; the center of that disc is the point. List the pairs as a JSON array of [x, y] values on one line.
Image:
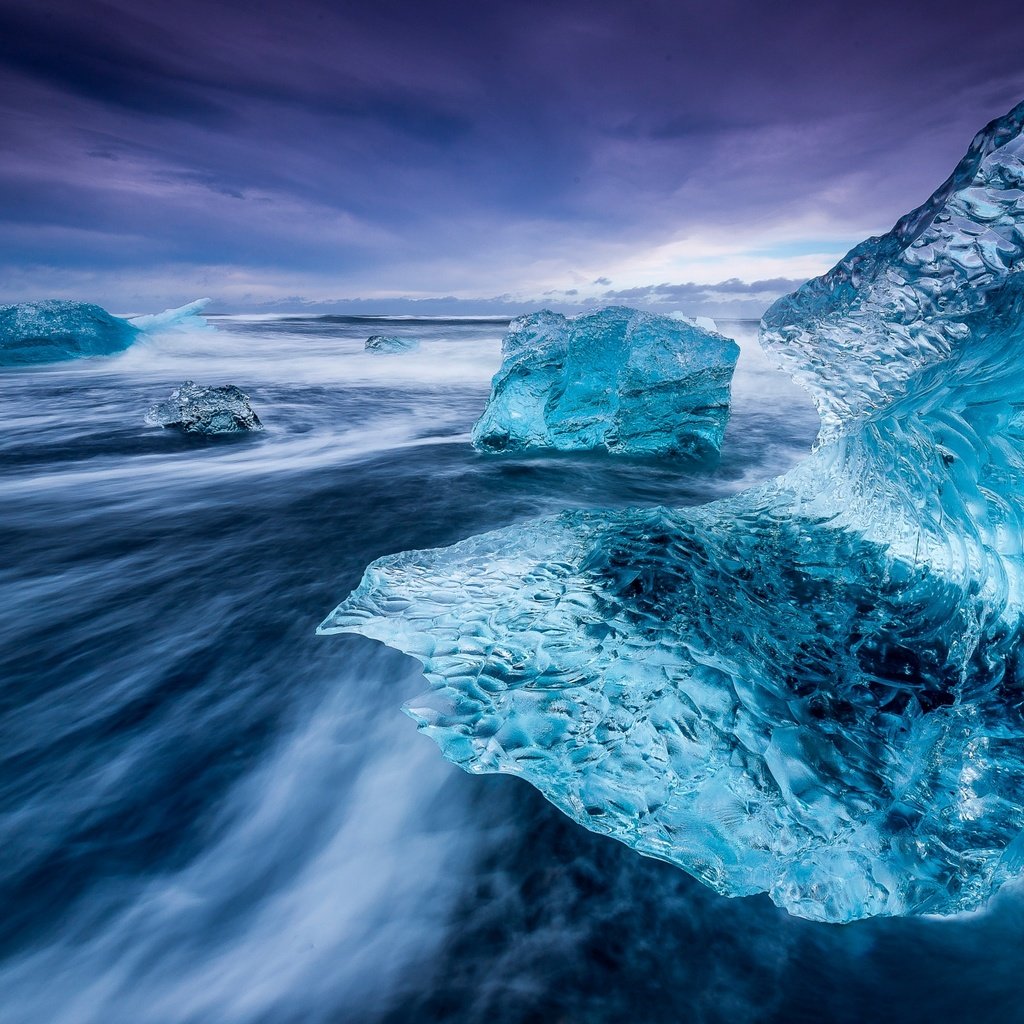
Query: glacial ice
[[704, 322], [895, 304], [389, 344], [617, 378], [54, 330], [195, 409], [185, 317], [814, 689]]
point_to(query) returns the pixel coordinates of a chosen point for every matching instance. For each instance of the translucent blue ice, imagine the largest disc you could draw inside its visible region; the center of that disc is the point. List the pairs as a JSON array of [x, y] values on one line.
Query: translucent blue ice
[[814, 689], [390, 344], [704, 322], [855, 336], [185, 317], [618, 379], [197, 409], [55, 330]]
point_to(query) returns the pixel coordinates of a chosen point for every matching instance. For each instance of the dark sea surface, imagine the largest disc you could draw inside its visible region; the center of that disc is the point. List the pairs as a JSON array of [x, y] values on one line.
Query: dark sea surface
[[209, 814]]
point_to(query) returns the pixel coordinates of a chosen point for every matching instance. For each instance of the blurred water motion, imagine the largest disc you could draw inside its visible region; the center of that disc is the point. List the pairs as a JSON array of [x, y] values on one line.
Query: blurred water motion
[[208, 813]]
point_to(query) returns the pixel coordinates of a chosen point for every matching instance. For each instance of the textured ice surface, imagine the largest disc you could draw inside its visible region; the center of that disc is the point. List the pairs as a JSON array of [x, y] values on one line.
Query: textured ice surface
[[386, 343], [195, 409], [55, 330], [816, 688], [894, 304], [619, 379]]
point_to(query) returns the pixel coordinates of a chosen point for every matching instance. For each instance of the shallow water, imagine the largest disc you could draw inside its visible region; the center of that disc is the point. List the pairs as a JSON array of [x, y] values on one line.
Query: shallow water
[[210, 814]]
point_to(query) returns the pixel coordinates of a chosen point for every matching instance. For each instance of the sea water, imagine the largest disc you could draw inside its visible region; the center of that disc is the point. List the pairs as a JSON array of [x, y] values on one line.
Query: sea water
[[210, 814]]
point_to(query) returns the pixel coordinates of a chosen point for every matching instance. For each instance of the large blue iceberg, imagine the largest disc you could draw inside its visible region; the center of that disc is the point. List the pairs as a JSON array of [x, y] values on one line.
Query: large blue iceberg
[[814, 689], [55, 330], [618, 379]]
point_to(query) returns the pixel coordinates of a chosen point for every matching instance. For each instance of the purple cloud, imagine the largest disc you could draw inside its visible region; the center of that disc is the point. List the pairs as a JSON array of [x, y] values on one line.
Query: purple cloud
[[411, 149]]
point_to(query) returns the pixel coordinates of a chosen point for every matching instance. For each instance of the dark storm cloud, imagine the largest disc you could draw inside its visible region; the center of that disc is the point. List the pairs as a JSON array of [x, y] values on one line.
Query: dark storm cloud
[[84, 60], [422, 148]]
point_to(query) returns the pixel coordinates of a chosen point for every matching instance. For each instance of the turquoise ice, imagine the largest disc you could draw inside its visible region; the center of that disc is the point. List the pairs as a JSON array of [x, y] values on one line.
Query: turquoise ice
[[55, 330], [390, 344], [813, 689], [617, 379]]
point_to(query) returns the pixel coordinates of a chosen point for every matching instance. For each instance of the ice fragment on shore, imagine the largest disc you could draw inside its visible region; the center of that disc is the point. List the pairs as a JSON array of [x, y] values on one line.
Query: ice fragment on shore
[[195, 409], [618, 379]]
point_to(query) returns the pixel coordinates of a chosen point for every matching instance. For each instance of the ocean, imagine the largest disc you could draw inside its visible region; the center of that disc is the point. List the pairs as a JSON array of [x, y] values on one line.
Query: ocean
[[208, 813]]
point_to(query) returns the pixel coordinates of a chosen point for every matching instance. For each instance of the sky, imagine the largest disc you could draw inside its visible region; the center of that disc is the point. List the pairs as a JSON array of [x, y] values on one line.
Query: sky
[[703, 155]]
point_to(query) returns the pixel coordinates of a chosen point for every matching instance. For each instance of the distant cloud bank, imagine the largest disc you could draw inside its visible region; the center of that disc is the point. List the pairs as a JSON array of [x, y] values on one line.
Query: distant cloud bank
[[730, 298]]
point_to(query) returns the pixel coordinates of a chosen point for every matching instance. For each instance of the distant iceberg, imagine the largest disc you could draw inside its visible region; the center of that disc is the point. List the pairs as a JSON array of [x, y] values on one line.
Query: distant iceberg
[[390, 344], [618, 379], [704, 322], [813, 689], [185, 317], [52, 330], [55, 330]]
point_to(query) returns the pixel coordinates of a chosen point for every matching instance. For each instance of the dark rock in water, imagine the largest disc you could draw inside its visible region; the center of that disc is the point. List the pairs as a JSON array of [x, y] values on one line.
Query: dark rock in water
[[55, 330], [386, 343], [195, 409]]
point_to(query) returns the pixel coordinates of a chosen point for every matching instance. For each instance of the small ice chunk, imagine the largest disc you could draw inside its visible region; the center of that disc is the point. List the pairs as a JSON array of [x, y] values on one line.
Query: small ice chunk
[[195, 409], [388, 343], [182, 317]]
